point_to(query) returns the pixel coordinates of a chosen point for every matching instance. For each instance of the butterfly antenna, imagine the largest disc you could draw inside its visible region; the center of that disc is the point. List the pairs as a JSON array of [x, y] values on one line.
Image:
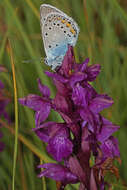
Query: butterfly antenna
[[33, 60]]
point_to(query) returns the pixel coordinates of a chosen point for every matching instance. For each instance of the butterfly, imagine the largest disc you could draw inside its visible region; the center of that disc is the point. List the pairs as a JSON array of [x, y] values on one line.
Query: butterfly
[[58, 31]]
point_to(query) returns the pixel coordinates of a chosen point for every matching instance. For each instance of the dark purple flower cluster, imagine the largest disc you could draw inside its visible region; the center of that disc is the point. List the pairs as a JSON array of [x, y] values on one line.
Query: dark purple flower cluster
[[84, 135], [3, 103]]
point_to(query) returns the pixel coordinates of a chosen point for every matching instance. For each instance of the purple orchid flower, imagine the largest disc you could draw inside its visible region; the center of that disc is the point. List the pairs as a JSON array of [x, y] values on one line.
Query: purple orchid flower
[[84, 132], [57, 135], [58, 172], [40, 104]]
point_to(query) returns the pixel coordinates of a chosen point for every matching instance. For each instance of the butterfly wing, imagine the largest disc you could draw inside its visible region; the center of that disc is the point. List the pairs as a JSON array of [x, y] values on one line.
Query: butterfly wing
[[58, 31], [45, 9]]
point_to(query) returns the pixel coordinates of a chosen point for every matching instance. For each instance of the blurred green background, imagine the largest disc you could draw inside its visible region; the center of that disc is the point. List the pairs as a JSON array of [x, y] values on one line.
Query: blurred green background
[[102, 38]]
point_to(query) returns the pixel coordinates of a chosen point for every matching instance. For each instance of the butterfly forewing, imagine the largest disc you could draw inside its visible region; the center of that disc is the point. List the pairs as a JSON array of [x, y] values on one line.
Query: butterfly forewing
[[45, 9]]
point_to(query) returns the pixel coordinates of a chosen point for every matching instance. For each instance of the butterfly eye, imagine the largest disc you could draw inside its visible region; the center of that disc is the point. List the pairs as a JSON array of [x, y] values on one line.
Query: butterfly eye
[[50, 28], [49, 46], [64, 31]]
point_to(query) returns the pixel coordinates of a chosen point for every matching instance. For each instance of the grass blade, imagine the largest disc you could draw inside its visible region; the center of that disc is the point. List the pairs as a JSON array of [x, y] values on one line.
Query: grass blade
[[16, 113]]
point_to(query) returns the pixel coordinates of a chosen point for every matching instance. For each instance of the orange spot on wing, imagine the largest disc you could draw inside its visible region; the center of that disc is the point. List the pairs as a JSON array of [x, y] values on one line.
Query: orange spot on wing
[[68, 25], [72, 31], [63, 21]]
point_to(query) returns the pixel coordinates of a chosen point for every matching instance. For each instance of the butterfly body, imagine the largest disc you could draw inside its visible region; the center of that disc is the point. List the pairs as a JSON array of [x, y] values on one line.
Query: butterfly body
[[58, 31]]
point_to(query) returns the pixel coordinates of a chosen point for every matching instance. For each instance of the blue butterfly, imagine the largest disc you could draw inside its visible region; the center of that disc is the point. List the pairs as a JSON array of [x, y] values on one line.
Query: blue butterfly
[[58, 31]]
